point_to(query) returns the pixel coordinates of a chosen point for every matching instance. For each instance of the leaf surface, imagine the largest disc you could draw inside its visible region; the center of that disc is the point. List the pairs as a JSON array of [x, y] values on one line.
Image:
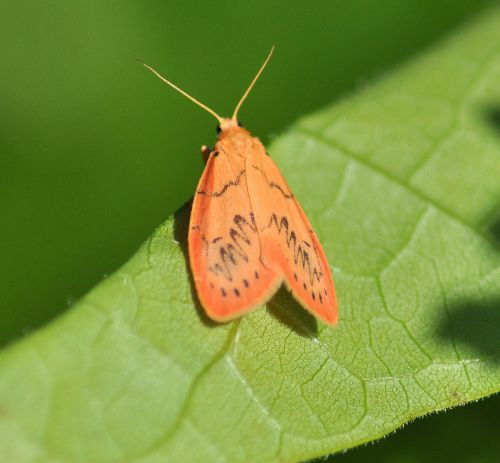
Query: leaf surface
[[401, 182]]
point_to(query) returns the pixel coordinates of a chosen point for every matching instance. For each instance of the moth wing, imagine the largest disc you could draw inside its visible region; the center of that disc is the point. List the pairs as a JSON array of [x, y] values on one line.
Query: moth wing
[[289, 244], [224, 246]]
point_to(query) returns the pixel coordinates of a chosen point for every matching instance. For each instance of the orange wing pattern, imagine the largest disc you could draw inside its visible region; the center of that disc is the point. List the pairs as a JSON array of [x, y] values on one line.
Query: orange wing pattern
[[224, 246], [248, 234], [289, 244]]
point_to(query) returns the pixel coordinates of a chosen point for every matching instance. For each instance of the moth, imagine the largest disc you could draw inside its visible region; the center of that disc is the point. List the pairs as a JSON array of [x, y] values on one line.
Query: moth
[[248, 234]]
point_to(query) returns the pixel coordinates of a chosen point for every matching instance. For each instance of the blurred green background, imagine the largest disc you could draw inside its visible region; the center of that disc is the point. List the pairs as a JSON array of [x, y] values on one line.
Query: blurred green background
[[95, 152]]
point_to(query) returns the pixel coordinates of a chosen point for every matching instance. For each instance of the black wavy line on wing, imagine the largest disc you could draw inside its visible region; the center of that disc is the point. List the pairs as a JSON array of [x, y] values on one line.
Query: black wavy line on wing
[[234, 249], [300, 254], [273, 184], [217, 194]]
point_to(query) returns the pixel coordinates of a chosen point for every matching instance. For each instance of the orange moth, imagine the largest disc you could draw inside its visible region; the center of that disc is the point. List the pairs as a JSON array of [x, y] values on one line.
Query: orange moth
[[247, 232]]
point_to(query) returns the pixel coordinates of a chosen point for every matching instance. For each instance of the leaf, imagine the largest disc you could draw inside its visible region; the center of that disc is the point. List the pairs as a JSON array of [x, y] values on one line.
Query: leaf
[[401, 183]]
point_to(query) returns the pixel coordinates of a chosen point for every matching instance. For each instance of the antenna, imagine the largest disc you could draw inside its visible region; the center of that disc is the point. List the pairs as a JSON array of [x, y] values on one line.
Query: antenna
[[243, 98], [182, 92]]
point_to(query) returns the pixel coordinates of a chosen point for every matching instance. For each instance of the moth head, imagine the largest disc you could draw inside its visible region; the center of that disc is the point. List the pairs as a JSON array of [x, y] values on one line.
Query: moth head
[[227, 124]]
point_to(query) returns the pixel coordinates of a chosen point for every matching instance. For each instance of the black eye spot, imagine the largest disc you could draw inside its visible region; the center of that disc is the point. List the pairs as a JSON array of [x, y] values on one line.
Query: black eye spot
[[325, 292], [320, 298], [239, 124], [218, 129], [236, 291], [305, 286], [245, 282], [256, 275], [295, 276], [313, 295], [223, 292]]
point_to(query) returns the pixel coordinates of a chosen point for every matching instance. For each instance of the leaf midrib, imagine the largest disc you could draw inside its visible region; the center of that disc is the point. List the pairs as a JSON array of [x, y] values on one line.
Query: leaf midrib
[[351, 155]]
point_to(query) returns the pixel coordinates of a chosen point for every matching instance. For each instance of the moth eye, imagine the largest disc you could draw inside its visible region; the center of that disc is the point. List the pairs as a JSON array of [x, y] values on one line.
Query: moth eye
[[218, 129], [239, 124]]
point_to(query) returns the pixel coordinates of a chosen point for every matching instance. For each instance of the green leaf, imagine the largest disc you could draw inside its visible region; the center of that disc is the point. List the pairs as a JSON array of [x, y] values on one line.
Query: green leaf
[[401, 182]]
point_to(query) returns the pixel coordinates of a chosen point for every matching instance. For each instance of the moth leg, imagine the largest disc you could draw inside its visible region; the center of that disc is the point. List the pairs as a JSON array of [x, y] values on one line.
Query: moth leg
[[205, 153]]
